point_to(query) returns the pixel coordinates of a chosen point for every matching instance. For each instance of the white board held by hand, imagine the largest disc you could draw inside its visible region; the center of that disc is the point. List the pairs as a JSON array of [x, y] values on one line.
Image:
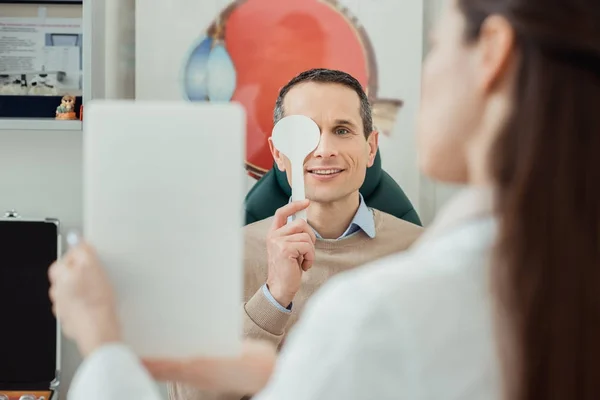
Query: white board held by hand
[[296, 136], [163, 194]]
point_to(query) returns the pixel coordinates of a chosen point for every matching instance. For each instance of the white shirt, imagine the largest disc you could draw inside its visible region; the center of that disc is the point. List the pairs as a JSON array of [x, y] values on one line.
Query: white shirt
[[416, 325]]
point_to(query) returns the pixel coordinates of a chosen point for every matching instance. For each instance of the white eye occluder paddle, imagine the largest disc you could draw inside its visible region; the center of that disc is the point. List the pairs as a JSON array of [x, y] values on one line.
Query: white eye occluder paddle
[[296, 136]]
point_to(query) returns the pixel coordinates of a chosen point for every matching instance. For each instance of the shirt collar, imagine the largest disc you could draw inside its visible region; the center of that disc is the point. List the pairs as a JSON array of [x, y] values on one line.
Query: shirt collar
[[363, 220]]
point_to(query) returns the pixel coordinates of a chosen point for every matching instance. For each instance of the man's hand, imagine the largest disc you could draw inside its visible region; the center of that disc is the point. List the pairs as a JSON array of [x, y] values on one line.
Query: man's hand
[[290, 251], [83, 299], [245, 375]]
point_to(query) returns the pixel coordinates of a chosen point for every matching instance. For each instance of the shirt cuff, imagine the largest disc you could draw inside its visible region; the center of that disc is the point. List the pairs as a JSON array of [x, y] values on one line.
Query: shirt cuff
[[270, 297]]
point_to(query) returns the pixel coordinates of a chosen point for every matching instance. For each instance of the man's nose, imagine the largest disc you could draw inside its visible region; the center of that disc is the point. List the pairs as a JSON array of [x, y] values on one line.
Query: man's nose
[[327, 146]]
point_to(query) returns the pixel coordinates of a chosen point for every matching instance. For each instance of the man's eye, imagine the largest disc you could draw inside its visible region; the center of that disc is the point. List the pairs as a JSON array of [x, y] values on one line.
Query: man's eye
[[342, 131]]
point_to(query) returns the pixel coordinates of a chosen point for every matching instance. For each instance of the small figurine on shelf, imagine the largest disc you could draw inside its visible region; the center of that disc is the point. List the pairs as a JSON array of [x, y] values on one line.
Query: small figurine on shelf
[[66, 110]]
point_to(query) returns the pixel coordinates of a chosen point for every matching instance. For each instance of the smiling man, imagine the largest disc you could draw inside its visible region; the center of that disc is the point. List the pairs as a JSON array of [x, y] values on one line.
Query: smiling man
[[285, 261]]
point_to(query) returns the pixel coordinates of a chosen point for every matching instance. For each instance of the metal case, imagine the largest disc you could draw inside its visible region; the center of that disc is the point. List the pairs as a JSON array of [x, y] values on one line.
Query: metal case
[[32, 361]]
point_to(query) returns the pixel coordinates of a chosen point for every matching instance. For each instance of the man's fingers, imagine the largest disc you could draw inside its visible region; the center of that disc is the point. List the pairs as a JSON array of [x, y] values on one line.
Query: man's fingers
[[298, 226], [300, 247], [306, 265], [282, 214], [303, 249], [298, 237], [309, 258]]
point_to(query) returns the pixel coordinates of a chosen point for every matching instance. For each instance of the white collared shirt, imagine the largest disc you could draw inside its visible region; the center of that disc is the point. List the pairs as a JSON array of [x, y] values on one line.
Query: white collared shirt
[[362, 220], [416, 325]]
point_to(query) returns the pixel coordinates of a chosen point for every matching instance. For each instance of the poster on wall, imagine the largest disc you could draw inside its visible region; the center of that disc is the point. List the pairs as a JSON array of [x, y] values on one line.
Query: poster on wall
[[48, 51], [245, 50]]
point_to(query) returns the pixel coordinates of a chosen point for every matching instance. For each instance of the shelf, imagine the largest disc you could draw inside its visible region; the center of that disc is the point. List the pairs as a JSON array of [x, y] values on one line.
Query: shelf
[[32, 108], [39, 124]]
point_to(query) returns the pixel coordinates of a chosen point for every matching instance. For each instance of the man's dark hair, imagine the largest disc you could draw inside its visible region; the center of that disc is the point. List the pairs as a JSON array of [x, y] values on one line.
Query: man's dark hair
[[322, 75]]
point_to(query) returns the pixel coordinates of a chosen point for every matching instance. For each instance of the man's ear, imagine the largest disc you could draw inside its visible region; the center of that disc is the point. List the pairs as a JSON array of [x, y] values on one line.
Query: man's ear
[[373, 145], [276, 156]]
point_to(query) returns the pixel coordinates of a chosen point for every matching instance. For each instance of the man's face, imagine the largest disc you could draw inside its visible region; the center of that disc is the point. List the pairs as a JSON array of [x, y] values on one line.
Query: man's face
[[337, 167]]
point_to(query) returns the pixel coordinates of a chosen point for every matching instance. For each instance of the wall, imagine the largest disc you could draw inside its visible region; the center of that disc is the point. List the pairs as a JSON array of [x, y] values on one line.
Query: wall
[[119, 62], [40, 174], [393, 28]]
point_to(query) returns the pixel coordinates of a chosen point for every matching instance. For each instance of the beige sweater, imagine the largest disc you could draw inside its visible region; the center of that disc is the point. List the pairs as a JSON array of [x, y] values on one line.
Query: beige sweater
[[262, 320]]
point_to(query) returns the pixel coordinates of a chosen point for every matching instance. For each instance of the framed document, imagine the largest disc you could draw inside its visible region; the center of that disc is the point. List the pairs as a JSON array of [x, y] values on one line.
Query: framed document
[[41, 2]]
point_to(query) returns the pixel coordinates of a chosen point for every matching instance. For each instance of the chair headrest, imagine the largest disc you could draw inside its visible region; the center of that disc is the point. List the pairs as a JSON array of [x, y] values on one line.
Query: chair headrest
[[372, 178]]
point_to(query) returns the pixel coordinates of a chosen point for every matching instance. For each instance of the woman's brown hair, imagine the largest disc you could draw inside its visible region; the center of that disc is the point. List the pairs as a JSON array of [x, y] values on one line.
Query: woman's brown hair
[[546, 166]]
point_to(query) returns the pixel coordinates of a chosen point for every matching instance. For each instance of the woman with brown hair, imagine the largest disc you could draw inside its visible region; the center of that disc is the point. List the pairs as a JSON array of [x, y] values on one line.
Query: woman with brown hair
[[500, 298]]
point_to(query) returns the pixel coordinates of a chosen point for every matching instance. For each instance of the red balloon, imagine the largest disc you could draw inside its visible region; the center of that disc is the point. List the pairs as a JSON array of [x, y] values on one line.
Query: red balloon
[[271, 41]]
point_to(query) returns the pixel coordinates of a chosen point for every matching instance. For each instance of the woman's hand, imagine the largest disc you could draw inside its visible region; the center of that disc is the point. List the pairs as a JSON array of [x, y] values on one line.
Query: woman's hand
[[83, 299], [245, 375]]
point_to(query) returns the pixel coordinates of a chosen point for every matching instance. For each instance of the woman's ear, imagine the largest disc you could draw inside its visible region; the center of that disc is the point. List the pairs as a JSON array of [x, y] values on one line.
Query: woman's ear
[[495, 47]]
